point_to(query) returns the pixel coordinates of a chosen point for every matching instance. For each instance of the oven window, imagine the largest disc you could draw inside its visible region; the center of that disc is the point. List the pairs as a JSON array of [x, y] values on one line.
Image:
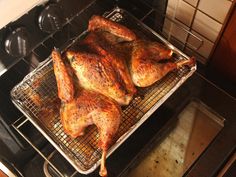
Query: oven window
[[196, 128]]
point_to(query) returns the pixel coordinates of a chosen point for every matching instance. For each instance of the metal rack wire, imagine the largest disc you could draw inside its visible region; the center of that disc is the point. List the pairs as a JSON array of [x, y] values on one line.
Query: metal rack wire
[[36, 97]]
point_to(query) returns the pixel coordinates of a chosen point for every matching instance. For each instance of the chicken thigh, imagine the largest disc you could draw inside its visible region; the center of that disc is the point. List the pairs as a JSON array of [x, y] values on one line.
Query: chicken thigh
[[81, 108]]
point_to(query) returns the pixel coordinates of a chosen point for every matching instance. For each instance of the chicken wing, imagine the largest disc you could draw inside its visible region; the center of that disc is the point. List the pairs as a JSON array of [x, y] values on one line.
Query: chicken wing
[[101, 23]]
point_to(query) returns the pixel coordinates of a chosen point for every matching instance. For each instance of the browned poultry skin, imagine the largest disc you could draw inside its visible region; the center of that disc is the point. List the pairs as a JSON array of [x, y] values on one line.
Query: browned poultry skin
[[91, 108], [145, 65], [64, 80], [86, 108], [106, 44], [102, 69], [101, 23]]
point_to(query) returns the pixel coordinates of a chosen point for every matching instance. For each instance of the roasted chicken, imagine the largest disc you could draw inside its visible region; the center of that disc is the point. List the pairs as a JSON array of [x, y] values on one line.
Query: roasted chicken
[[81, 108]]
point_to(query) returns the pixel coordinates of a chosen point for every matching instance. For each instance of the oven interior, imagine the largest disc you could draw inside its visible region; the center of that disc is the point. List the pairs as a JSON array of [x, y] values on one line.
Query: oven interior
[[173, 129], [197, 126]]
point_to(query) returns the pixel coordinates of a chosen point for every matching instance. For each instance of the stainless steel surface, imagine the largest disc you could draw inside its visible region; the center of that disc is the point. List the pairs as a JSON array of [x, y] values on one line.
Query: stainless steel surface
[[8, 169], [196, 128], [36, 97]]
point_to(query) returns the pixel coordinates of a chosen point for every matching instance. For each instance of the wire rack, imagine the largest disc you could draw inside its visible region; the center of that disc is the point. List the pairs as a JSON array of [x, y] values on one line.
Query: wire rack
[[36, 96]]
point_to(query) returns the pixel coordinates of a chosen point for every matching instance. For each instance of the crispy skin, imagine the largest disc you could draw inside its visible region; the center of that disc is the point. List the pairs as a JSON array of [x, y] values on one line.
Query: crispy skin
[[101, 23], [102, 69], [107, 45], [97, 73], [146, 67], [91, 108]]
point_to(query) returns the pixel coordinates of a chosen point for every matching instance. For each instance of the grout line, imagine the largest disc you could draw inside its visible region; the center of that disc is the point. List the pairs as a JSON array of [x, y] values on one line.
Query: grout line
[[188, 47], [196, 8], [145, 16], [209, 16], [182, 23], [198, 54], [191, 4]]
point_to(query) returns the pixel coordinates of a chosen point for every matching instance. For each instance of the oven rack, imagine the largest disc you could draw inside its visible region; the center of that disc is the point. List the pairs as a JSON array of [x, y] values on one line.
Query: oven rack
[[173, 81], [18, 125]]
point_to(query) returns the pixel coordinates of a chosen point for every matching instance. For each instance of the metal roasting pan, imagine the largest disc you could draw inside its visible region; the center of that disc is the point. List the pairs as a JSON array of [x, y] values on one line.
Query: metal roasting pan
[[36, 97]]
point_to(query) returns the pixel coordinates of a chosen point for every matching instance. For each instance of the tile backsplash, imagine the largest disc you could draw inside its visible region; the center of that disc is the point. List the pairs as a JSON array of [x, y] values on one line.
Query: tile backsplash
[[206, 26], [217, 9], [203, 18], [188, 14]]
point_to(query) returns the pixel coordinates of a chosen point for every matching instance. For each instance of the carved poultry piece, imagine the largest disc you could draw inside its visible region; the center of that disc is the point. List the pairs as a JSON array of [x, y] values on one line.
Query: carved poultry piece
[[151, 61], [81, 108]]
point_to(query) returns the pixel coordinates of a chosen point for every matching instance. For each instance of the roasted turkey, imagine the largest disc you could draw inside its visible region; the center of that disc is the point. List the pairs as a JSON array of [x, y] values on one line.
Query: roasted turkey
[[81, 108]]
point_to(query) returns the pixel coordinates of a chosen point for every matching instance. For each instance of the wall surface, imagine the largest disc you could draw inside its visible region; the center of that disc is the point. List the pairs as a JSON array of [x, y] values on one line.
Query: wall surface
[[11, 10], [203, 18]]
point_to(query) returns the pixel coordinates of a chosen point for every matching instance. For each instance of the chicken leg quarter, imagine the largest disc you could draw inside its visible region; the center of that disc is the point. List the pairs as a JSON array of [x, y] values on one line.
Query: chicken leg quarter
[[147, 65]]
